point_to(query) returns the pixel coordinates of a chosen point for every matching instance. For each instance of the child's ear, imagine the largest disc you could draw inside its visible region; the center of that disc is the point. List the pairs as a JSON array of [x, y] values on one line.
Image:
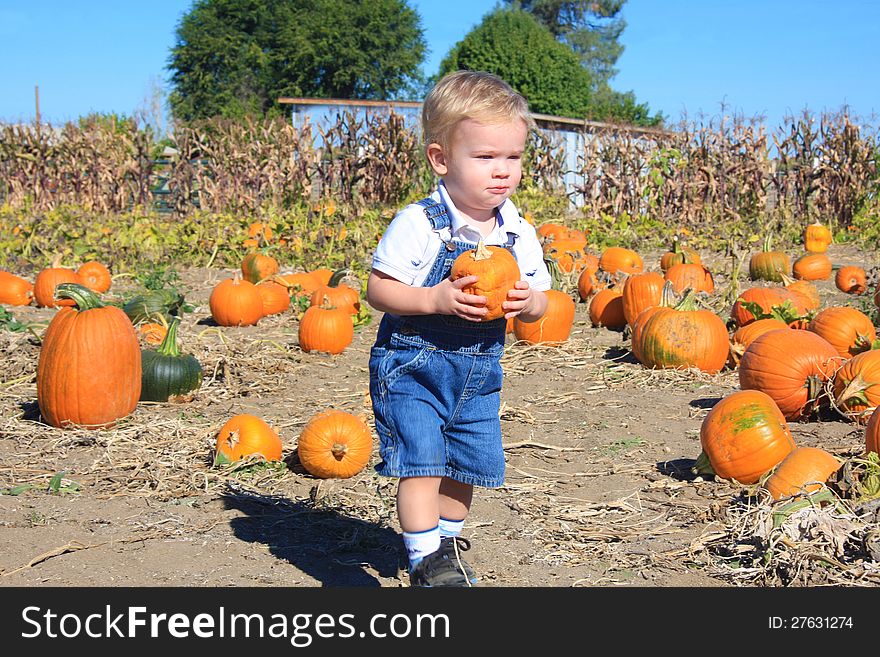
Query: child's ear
[[437, 159]]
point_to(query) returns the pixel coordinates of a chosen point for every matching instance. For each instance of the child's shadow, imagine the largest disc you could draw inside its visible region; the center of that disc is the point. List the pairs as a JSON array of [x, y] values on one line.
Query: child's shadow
[[333, 548]]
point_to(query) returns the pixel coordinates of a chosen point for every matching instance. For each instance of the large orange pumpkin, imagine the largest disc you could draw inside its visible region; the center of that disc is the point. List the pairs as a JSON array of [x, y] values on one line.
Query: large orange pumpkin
[[335, 445], [746, 335], [849, 330], [14, 290], [857, 385], [684, 336], [554, 326], [766, 299], [789, 366], [236, 302], [804, 470], [606, 309], [89, 370], [496, 271], [812, 267], [325, 328], [688, 275], [641, 291], [245, 434], [744, 436]]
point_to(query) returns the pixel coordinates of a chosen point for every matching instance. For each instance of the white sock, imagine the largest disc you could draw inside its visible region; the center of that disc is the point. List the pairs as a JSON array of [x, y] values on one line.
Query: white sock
[[450, 527], [420, 544]]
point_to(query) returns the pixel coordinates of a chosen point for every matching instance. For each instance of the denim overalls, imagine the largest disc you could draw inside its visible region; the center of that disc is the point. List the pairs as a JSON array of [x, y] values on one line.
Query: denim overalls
[[435, 383]]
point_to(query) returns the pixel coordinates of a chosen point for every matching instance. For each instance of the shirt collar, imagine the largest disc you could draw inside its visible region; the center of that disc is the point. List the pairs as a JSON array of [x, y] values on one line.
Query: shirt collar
[[507, 215]]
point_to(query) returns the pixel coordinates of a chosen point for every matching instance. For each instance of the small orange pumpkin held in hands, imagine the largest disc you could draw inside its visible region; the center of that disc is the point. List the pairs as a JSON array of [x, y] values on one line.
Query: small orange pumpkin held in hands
[[335, 445], [246, 434], [804, 470], [743, 437], [496, 270], [851, 279]]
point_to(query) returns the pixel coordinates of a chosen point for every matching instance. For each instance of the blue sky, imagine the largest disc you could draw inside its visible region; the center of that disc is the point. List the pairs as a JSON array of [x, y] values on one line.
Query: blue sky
[[761, 57]]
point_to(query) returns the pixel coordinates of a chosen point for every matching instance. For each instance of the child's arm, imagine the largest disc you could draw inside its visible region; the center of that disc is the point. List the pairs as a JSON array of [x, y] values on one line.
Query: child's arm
[[390, 295], [523, 302]]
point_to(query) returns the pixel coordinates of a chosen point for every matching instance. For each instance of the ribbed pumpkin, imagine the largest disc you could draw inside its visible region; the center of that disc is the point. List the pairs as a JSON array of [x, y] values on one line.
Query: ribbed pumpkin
[[299, 284], [804, 470], [641, 291], [335, 445], [687, 275], [812, 267], [48, 279], [95, 276], [235, 302], [274, 295], [496, 271], [14, 290], [668, 299], [872, 434], [767, 299], [89, 370], [167, 373], [849, 330], [616, 259], [678, 254], [817, 237], [568, 252], [606, 309], [857, 385], [791, 367], [587, 282], [554, 326], [325, 328], [743, 437], [342, 295], [684, 336], [257, 266], [245, 434], [746, 335], [851, 279], [768, 265]]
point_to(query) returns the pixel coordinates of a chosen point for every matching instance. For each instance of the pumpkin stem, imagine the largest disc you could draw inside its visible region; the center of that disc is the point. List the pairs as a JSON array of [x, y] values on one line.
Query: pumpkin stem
[[702, 466], [481, 252], [339, 450], [337, 277], [168, 347], [767, 241], [83, 297], [689, 301]]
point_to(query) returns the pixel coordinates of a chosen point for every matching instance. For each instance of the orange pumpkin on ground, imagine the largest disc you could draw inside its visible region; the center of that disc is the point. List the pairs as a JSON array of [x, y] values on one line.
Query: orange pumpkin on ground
[[89, 370], [616, 259], [857, 385], [246, 434], [258, 266], [551, 230], [152, 332], [686, 275], [804, 470], [95, 276], [274, 295], [587, 282], [14, 290], [335, 445], [684, 336], [641, 291], [849, 330], [554, 326], [743, 436], [812, 267], [322, 275], [496, 271], [767, 300], [817, 237], [746, 335], [299, 284], [791, 367], [568, 253], [340, 294], [678, 254], [236, 302], [606, 309], [325, 328], [851, 279], [48, 279], [768, 265]]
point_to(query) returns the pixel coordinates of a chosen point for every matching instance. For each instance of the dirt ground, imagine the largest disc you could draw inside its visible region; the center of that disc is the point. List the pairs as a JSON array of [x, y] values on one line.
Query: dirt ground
[[598, 493]]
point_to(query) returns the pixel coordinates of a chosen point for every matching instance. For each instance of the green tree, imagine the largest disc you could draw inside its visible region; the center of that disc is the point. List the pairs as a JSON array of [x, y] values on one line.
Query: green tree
[[514, 46], [237, 57]]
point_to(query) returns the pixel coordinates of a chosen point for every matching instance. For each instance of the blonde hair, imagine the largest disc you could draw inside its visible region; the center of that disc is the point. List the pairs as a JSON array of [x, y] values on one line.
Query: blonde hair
[[477, 95]]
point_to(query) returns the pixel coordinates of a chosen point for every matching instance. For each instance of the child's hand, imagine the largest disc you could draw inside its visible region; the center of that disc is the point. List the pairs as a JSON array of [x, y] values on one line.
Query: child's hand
[[449, 299], [519, 299]]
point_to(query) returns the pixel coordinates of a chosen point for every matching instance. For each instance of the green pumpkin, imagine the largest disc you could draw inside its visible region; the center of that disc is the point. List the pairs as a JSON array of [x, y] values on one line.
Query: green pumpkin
[[165, 372], [146, 307]]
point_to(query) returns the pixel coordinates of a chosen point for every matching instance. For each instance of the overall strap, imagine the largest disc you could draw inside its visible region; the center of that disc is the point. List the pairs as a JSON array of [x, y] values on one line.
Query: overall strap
[[435, 212]]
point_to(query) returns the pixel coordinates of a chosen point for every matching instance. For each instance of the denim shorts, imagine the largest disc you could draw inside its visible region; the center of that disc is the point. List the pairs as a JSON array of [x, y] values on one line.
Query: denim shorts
[[437, 411]]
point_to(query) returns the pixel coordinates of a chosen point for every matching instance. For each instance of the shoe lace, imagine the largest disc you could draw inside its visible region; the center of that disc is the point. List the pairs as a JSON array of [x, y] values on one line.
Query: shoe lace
[[466, 545]]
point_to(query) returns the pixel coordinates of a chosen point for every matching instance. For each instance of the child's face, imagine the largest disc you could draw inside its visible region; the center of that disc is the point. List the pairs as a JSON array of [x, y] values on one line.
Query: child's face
[[482, 165]]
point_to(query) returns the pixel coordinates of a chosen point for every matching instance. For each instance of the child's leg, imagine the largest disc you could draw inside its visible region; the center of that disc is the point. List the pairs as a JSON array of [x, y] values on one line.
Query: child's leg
[[455, 503], [418, 510]]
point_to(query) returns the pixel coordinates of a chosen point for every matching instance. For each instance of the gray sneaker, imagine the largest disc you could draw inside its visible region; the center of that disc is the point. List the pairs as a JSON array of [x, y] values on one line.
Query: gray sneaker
[[445, 567]]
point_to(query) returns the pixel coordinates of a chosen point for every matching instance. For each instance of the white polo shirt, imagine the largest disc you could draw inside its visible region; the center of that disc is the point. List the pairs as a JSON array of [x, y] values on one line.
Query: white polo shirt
[[409, 245]]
